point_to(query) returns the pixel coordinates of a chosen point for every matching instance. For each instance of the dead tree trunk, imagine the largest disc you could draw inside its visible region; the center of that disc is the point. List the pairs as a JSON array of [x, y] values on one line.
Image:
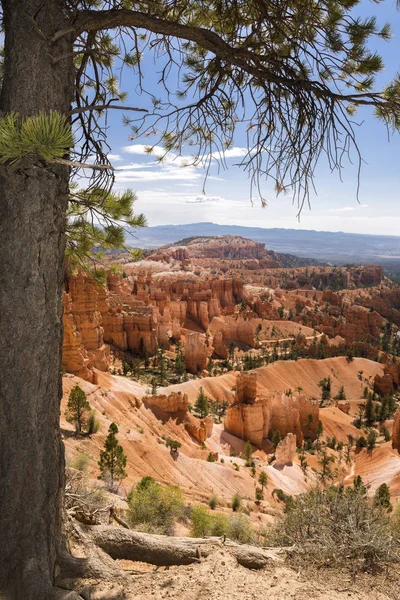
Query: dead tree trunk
[[33, 201], [162, 550]]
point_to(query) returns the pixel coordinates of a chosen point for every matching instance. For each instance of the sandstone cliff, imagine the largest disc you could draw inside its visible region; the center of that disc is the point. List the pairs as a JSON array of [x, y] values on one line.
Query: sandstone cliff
[[252, 415], [396, 430], [139, 312], [84, 347], [219, 247], [200, 429], [285, 451], [171, 403]]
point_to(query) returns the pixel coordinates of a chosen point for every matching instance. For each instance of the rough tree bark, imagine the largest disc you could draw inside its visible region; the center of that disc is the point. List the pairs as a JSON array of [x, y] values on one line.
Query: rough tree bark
[[33, 200], [162, 550]]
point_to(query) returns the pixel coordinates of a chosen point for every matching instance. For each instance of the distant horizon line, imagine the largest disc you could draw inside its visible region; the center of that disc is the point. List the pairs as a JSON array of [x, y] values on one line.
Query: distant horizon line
[[267, 229]]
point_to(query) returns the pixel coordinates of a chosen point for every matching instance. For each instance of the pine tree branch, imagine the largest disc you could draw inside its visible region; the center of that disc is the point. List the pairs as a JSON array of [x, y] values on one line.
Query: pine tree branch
[[81, 165], [250, 62], [100, 107]]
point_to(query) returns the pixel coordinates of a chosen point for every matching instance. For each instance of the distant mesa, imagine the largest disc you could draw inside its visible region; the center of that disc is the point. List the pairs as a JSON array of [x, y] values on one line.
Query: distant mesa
[[226, 247]]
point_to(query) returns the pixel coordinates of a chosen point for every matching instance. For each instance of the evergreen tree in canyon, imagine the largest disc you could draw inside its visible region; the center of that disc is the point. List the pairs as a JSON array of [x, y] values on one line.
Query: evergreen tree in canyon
[[202, 406], [78, 408], [112, 461], [294, 71]]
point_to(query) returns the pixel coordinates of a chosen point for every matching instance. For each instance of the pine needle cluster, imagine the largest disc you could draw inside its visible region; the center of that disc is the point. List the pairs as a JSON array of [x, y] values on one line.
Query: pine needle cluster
[[46, 136]]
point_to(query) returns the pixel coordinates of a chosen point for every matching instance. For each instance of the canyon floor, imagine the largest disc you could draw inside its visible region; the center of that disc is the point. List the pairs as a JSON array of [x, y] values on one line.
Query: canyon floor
[[264, 337], [141, 427]]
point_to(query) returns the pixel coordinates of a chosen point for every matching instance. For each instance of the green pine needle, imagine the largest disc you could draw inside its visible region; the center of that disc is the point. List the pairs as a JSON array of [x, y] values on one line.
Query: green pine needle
[[46, 135]]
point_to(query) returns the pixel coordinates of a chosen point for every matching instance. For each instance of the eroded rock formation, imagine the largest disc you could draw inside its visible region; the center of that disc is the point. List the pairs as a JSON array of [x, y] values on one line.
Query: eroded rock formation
[[383, 384], [173, 403], [137, 313], [344, 406], [220, 247], [200, 429], [249, 422], [286, 451], [294, 414], [196, 352], [253, 415], [396, 430], [84, 347]]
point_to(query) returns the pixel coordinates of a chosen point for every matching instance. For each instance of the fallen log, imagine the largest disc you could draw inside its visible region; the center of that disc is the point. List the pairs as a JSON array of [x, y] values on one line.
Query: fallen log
[[162, 550]]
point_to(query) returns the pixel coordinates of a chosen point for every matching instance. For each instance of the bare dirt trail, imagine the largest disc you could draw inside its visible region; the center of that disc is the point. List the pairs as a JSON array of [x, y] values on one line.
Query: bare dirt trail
[[219, 577]]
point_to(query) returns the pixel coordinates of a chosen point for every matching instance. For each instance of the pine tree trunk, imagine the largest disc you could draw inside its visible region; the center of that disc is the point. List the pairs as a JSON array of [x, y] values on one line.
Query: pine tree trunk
[[33, 201]]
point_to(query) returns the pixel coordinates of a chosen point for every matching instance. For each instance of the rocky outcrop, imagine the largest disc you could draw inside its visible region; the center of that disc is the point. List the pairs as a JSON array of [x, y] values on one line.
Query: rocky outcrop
[[248, 418], [383, 384], [253, 415], [396, 430], [200, 429], [219, 247], [196, 352], [75, 359], [173, 403], [229, 328], [389, 381], [294, 414], [393, 369], [138, 313], [177, 404], [344, 406], [249, 422], [84, 347], [285, 451], [246, 388]]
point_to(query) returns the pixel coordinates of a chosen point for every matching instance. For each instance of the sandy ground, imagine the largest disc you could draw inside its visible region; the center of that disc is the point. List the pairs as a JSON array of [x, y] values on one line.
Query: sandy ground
[[220, 578], [290, 374]]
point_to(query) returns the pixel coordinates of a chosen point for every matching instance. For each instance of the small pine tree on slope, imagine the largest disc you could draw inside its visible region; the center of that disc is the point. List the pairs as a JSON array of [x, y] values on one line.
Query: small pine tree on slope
[[202, 407], [112, 461], [77, 408]]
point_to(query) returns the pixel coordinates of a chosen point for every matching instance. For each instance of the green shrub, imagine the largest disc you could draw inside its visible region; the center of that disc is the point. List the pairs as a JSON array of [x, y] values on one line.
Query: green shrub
[[213, 502], [174, 445], [236, 502], [220, 525], [81, 463], [361, 442], [154, 508], [93, 424], [336, 527], [236, 527], [240, 529], [382, 497], [385, 432], [145, 482], [201, 521]]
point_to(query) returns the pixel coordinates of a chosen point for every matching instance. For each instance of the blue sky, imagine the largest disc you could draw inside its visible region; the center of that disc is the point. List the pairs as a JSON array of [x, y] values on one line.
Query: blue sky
[[172, 194]]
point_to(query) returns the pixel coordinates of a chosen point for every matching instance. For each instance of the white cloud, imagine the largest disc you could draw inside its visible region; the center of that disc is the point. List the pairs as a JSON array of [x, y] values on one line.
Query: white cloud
[[162, 174], [142, 149], [114, 157], [171, 168], [183, 160], [128, 167], [202, 199], [348, 208], [234, 152]]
